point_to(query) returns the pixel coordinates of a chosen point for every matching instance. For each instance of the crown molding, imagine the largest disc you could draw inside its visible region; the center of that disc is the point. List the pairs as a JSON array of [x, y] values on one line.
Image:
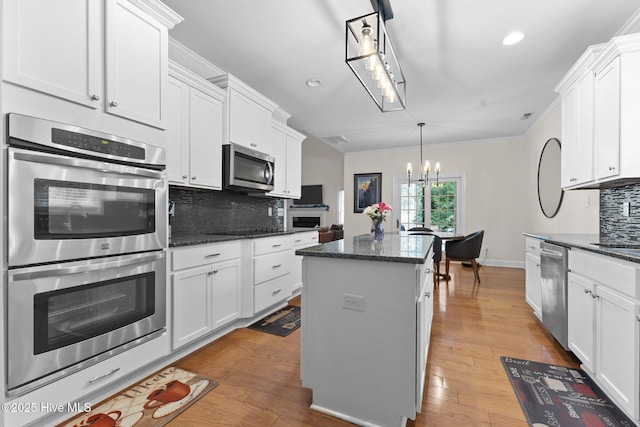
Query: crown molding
[[159, 11]]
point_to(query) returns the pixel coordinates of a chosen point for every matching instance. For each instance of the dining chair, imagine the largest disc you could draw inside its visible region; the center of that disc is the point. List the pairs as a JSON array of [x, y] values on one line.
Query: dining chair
[[420, 229], [467, 249]]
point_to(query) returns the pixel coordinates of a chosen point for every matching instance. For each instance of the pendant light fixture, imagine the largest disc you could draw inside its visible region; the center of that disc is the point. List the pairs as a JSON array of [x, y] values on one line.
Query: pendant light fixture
[[371, 57], [426, 169]]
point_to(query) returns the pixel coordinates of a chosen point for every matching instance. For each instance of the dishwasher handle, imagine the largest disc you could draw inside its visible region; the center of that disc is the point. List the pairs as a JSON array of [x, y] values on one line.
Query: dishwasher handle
[[551, 253]]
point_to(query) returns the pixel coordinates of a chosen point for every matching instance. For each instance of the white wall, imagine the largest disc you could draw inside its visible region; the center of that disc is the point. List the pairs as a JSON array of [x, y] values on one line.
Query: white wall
[[574, 215], [323, 164], [494, 181]]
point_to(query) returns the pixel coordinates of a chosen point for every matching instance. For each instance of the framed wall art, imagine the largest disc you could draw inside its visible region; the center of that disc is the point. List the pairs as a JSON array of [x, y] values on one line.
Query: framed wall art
[[367, 190]]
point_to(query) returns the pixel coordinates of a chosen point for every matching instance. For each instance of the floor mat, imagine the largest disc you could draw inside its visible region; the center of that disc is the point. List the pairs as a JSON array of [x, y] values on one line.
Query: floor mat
[[553, 395], [281, 323]]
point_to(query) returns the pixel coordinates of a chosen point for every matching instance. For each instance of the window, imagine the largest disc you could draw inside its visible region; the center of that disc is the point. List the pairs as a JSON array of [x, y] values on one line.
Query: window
[[440, 207]]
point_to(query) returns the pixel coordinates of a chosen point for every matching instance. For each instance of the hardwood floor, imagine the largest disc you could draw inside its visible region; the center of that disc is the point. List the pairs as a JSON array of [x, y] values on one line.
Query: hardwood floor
[[473, 325]]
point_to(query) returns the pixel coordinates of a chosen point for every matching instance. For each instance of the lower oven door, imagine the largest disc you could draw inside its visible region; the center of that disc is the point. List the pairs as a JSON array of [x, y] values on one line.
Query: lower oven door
[[64, 317]]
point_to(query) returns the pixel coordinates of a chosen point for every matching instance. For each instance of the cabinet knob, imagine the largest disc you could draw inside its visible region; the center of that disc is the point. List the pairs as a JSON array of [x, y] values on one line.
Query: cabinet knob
[[193, 178], [573, 179], [612, 168], [638, 317], [587, 291], [95, 97], [209, 273], [254, 145], [184, 176], [594, 296], [114, 104], [427, 294], [215, 271]]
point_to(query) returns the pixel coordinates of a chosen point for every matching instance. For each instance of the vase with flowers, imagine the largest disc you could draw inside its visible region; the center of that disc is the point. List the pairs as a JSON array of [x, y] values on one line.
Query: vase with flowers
[[378, 213]]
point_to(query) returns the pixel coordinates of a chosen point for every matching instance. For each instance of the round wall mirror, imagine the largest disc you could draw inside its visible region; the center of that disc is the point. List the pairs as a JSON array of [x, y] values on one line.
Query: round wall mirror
[[549, 186]]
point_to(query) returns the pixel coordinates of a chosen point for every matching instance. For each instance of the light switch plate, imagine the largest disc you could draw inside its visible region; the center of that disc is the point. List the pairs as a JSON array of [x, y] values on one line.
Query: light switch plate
[[625, 209]]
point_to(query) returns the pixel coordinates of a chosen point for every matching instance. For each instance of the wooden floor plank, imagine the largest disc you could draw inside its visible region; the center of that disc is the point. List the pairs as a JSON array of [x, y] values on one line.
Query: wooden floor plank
[[473, 325]]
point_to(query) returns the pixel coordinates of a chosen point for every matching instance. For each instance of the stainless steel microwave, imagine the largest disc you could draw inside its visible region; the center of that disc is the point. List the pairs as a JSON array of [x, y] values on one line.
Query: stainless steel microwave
[[245, 169]]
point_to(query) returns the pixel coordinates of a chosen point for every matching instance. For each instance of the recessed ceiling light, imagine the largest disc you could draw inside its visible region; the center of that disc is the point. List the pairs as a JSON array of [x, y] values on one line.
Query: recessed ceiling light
[[314, 82], [513, 38]]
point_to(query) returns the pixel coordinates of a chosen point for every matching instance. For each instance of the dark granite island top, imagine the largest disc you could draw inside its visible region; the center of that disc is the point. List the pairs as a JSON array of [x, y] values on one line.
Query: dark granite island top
[[403, 248]]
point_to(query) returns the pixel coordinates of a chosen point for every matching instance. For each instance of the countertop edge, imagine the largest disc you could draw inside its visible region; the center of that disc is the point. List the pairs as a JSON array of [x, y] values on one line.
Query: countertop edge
[[204, 238], [586, 242]]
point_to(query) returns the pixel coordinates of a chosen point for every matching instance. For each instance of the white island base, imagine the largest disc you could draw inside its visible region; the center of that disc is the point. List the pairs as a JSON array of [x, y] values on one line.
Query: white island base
[[365, 336]]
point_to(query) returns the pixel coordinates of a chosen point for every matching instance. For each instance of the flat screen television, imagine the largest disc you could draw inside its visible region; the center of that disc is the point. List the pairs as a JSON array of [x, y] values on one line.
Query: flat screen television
[[310, 195]]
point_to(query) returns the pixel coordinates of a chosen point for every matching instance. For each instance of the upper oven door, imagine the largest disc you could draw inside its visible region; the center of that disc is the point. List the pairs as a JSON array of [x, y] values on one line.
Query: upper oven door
[[63, 208]]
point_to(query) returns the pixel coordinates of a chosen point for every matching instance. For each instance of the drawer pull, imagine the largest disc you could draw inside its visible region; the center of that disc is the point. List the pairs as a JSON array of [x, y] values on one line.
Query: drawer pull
[[212, 255], [298, 240], [276, 292], [276, 266], [108, 374], [277, 245]]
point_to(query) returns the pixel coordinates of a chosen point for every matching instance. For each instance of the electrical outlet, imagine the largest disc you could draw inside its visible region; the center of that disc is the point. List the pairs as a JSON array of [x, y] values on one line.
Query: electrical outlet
[[269, 211], [353, 302], [625, 209]]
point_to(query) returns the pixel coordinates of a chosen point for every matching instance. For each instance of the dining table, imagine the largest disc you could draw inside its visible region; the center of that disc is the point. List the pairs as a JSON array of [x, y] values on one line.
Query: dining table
[[444, 235]]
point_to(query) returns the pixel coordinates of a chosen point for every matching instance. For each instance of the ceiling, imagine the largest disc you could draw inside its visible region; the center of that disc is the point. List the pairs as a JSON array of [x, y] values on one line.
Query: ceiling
[[460, 79]]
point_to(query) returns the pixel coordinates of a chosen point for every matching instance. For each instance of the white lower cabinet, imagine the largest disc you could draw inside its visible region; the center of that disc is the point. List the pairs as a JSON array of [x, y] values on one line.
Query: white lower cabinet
[[604, 324], [300, 241], [206, 290], [272, 267], [533, 279]]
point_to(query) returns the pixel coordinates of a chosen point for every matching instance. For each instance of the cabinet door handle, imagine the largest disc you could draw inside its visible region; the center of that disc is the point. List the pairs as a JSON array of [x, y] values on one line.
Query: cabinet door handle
[[587, 291], [209, 273], [215, 271], [212, 255], [184, 176], [594, 296], [193, 178], [99, 377], [276, 266], [95, 97], [537, 265], [114, 104], [427, 294], [276, 292], [638, 317]]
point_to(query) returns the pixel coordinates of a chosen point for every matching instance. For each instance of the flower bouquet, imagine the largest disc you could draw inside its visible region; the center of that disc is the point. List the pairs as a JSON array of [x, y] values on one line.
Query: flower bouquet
[[378, 213]]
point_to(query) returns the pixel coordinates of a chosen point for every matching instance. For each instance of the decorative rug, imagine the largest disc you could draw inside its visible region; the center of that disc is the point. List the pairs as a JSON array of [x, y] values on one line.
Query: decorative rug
[[152, 403], [558, 396], [281, 323]]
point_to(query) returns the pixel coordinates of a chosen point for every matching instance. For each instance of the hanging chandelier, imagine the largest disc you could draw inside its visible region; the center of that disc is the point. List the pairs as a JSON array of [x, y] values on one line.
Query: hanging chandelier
[[371, 57], [426, 169]]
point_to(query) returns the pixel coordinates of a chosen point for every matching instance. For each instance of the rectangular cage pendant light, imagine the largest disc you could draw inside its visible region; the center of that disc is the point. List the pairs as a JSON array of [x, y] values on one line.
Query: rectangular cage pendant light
[[371, 57]]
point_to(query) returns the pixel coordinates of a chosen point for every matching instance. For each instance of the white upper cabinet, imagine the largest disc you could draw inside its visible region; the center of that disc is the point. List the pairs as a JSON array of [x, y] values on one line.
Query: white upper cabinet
[[194, 130], [287, 149], [54, 48], [577, 91], [83, 51], [247, 115], [600, 107], [617, 86]]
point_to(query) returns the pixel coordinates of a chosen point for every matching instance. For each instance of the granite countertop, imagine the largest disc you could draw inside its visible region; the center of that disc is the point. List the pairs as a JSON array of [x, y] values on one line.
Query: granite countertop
[[627, 250], [394, 248], [205, 238]]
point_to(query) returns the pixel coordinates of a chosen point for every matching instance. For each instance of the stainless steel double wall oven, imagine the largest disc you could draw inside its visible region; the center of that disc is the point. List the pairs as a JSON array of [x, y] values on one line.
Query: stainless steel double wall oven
[[86, 248]]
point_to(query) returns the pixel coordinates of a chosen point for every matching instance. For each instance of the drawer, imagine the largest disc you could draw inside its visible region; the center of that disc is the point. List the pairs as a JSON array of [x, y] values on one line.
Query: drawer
[[305, 239], [204, 254], [271, 292], [532, 245], [270, 266], [80, 384], [267, 245], [618, 275]]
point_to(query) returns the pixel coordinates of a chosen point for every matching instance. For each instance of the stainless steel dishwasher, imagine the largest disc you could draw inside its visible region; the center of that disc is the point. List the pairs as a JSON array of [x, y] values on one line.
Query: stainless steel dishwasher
[[553, 266]]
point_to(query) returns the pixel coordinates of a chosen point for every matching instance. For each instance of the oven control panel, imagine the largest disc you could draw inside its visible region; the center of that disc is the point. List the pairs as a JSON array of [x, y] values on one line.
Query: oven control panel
[[95, 144]]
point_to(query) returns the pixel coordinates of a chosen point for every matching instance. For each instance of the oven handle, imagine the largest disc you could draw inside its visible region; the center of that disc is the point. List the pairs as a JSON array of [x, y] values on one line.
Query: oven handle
[[89, 164], [65, 271]]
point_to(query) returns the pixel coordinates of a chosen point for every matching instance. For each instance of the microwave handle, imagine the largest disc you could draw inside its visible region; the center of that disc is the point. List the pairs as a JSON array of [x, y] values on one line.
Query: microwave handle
[[89, 164], [270, 170], [65, 271]]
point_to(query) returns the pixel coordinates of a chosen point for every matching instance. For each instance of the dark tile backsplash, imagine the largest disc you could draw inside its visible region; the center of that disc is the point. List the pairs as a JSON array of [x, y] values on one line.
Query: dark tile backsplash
[[205, 211], [614, 226]]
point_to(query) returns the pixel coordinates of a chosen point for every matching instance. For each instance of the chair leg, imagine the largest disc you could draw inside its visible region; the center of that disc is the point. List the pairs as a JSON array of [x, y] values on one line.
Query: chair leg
[[476, 273], [446, 270]]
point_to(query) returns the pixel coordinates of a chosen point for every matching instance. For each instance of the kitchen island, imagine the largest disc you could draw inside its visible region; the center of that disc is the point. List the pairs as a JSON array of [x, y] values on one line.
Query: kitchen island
[[366, 322]]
